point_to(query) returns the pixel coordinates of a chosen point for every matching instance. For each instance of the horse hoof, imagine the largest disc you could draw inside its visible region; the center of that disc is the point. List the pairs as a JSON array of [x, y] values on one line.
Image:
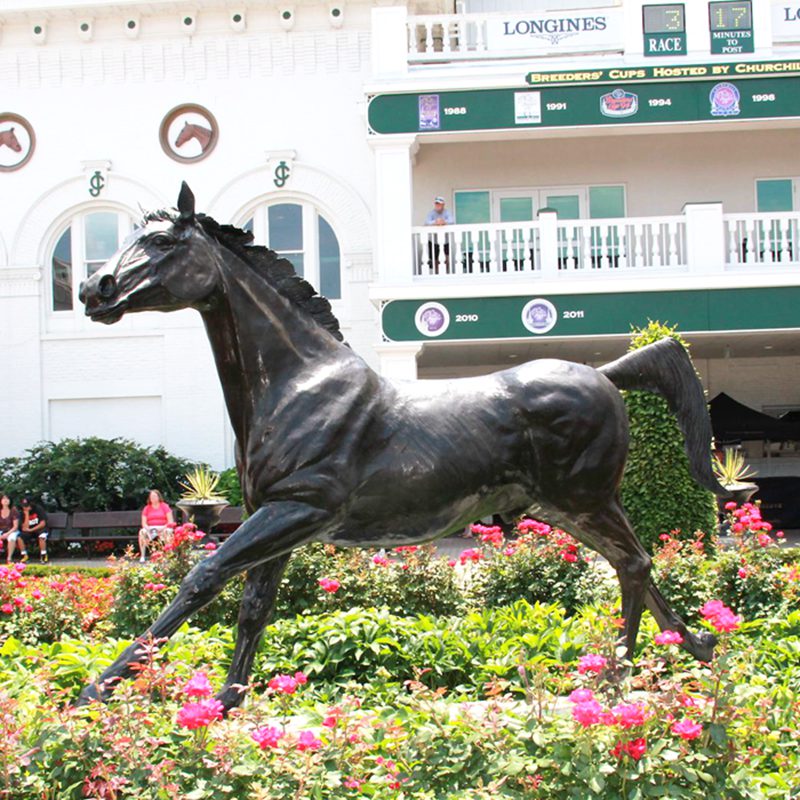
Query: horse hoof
[[88, 695], [701, 645], [231, 696]]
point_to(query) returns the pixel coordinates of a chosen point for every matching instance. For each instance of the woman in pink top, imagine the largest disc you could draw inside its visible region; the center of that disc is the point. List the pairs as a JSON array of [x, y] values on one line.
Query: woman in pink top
[[9, 523], [156, 516]]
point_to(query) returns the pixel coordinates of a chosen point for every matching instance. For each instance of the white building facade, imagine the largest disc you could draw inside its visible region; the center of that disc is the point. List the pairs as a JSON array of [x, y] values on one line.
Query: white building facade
[[605, 165]]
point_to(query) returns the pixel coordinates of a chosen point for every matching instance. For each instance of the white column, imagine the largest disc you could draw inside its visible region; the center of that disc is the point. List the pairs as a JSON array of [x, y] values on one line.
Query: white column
[[399, 361], [705, 237], [389, 41], [393, 155]]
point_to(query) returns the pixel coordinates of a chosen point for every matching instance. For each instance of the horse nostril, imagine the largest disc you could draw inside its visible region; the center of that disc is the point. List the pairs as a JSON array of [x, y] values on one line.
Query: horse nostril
[[82, 292], [107, 287]]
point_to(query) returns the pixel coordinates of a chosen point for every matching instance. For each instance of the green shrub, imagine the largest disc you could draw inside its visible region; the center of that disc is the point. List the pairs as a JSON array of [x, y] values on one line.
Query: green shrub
[[230, 487], [543, 566], [142, 591], [684, 574], [658, 493], [412, 581], [93, 474]]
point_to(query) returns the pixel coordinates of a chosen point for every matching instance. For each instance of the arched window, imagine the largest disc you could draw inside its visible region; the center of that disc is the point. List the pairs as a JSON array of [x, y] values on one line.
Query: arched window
[[301, 234], [87, 242]]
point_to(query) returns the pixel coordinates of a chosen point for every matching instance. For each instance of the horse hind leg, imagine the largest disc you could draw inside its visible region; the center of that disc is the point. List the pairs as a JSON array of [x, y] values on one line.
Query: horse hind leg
[[610, 534], [258, 600], [700, 645]]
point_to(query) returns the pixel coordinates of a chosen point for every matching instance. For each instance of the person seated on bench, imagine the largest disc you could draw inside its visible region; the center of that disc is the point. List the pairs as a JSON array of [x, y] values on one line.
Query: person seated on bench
[[32, 523], [156, 519], [9, 522]]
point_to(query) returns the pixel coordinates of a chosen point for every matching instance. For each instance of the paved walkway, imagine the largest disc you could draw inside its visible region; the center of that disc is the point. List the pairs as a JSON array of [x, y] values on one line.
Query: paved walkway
[[449, 547]]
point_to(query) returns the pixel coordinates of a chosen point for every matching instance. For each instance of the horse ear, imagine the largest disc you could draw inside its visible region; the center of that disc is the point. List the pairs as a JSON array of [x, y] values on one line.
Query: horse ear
[[186, 202]]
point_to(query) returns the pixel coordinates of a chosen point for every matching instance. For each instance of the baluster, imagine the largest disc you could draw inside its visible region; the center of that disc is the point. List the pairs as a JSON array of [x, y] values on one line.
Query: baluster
[[446, 36], [638, 252], [527, 256], [583, 246], [413, 48], [673, 258], [480, 37], [734, 254], [754, 243], [604, 247], [785, 239], [441, 261], [428, 37], [491, 238], [624, 245], [425, 253], [457, 254]]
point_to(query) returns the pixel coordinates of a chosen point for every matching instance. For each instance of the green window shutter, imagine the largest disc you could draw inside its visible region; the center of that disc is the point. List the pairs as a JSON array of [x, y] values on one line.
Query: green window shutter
[[606, 202], [473, 208], [774, 195]]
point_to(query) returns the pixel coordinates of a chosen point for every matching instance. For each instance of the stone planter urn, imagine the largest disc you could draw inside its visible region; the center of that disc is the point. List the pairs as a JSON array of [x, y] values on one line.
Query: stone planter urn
[[203, 513], [740, 492]]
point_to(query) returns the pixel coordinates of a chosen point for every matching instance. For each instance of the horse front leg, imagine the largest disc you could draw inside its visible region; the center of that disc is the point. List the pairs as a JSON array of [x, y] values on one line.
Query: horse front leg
[[272, 532], [258, 600]]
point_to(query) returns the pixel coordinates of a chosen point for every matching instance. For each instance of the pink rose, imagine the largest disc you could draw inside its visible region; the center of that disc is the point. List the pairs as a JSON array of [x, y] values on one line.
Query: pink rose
[[687, 729], [591, 663], [668, 637], [200, 715], [267, 737]]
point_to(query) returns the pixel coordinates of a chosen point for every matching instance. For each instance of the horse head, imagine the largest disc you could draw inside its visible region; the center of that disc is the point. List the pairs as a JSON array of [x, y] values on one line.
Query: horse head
[[167, 264], [185, 135], [9, 138]]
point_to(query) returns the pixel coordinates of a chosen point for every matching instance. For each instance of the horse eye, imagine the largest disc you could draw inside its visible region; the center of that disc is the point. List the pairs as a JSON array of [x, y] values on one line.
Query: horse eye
[[162, 240]]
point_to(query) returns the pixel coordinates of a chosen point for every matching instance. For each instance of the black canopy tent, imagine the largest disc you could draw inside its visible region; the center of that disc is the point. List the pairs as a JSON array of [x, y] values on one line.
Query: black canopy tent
[[733, 421]]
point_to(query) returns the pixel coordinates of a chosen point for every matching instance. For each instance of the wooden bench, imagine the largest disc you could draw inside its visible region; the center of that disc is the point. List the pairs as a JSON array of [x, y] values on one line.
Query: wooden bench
[[88, 528]]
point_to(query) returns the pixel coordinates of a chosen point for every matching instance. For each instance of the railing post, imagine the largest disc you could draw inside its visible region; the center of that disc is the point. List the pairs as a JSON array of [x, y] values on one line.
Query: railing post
[[548, 243], [705, 237], [389, 41]]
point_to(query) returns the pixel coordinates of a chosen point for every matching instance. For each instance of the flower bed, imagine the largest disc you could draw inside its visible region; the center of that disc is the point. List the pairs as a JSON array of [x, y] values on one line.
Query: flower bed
[[476, 700]]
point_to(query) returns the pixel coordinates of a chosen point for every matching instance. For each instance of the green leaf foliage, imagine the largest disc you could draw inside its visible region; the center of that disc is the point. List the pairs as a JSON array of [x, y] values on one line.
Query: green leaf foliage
[[658, 493], [93, 474]]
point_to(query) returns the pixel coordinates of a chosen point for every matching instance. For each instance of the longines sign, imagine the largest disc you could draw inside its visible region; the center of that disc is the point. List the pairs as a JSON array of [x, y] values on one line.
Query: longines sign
[[588, 30], [786, 22]]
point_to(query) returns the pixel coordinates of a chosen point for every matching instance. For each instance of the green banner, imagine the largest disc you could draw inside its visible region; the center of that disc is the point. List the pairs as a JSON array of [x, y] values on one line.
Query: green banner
[[530, 316], [622, 104]]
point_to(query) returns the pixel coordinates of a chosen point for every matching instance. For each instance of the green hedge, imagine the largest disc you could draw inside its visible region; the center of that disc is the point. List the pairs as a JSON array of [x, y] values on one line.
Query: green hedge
[[658, 492]]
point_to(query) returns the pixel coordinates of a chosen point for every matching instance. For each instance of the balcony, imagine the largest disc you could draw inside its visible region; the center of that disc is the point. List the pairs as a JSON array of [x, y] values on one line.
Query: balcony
[[701, 241]]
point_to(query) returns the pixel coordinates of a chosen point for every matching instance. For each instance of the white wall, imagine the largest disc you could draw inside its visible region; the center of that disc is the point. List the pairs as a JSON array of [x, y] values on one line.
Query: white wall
[[151, 377]]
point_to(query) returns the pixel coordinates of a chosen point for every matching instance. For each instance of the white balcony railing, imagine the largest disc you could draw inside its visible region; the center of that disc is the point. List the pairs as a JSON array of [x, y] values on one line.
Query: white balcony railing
[[702, 241], [766, 238], [446, 36], [550, 246]]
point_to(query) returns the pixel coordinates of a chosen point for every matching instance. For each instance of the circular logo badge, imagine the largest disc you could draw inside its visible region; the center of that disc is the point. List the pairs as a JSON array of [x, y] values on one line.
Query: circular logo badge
[[539, 315], [188, 133], [432, 319], [17, 141], [724, 99]]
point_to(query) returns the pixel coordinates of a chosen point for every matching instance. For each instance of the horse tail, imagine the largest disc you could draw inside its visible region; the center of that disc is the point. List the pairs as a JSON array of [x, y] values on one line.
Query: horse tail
[[665, 368]]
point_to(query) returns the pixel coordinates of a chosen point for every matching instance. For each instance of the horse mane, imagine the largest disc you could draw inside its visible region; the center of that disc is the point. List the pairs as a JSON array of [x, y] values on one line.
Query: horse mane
[[279, 272]]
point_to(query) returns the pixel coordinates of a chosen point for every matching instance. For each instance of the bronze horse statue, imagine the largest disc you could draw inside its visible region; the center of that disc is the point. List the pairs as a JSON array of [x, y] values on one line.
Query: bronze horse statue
[[329, 451]]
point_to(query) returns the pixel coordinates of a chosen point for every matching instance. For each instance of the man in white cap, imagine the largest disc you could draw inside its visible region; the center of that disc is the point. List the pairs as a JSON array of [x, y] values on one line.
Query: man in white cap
[[438, 215]]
